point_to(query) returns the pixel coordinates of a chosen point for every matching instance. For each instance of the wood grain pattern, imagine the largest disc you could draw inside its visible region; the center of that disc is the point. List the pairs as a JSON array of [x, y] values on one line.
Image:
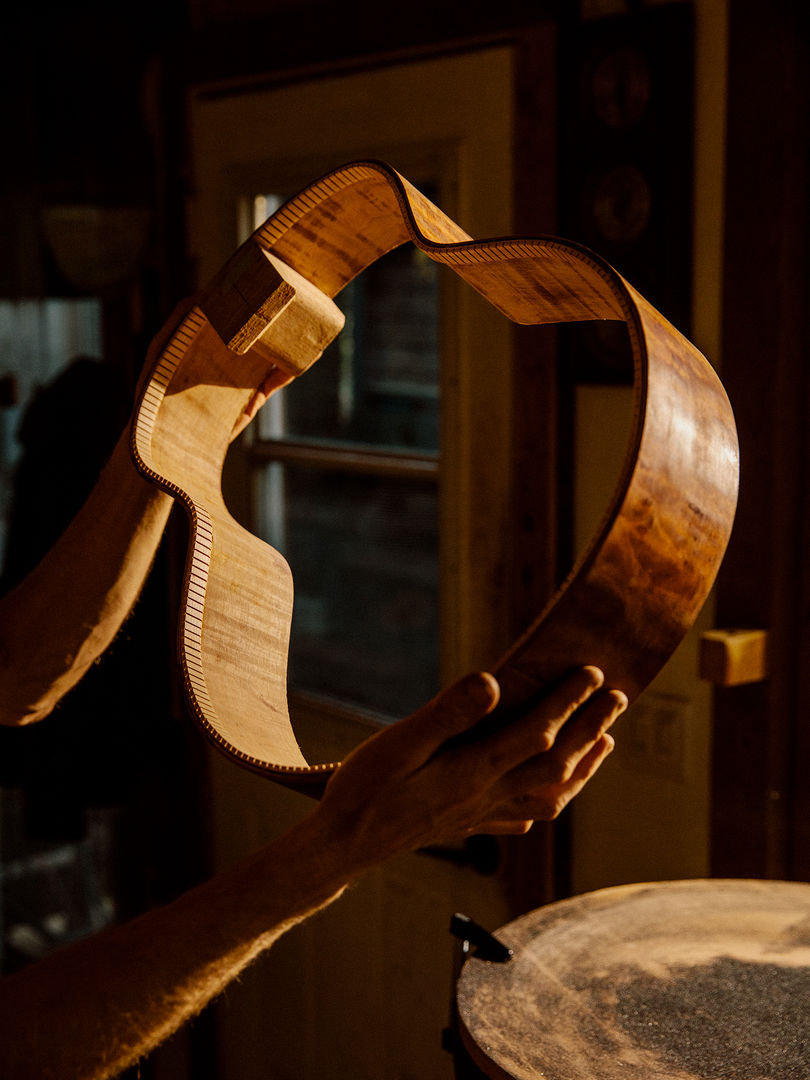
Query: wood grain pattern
[[634, 593], [686, 980]]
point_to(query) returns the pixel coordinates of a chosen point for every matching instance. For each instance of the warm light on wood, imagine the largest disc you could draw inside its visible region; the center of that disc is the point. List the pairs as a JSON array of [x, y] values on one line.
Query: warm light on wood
[[734, 657], [635, 591]]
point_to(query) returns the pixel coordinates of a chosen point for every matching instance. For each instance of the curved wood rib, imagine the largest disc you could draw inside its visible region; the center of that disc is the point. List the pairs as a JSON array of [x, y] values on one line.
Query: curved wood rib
[[639, 585]]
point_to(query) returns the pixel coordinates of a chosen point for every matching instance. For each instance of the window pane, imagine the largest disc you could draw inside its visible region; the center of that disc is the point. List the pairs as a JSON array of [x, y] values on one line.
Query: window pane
[[377, 385], [363, 551], [38, 340]]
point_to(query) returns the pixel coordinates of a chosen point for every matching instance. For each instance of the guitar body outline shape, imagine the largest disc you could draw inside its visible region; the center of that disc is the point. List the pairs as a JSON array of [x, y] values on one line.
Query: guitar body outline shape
[[634, 592]]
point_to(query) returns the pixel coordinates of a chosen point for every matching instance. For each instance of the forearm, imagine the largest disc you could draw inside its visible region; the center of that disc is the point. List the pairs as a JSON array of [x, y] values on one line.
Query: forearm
[[66, 612], [90, 1010]]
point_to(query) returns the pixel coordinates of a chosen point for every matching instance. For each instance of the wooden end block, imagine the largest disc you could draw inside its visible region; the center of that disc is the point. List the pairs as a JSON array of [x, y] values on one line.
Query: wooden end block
[[257, 300], [733, 657], [302, 330], [246, 297]]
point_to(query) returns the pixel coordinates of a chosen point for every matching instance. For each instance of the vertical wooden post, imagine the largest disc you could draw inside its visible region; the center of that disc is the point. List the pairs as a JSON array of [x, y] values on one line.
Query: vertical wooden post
[[761, 756], [535, 407]]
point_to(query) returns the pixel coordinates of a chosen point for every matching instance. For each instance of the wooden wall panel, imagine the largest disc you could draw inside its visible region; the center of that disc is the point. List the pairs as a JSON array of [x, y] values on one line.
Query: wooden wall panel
[[762, 742]]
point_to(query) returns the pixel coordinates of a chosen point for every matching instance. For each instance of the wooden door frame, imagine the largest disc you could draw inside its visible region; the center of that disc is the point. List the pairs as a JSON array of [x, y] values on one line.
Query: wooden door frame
[[761, 757], [535, 869], [529, 554], [525, 549]]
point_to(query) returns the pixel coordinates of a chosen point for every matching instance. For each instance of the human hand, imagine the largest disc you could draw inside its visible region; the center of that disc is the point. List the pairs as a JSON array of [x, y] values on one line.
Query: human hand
[[274, 381], [416, 783]]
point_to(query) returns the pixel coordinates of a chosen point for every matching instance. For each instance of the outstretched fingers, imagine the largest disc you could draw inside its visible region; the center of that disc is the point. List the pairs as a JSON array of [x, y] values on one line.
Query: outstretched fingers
[[276, 380], [543, 785], [437, 775], [590, 762], [416, 739], [536, 729], [583, 732]]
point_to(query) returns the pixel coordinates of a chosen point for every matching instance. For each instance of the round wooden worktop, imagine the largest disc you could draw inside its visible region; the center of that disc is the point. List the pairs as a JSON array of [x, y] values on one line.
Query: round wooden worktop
[[686, 980]]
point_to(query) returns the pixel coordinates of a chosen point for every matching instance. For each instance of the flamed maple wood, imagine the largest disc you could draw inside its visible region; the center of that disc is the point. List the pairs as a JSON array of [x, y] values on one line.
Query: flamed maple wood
[[268, 315]]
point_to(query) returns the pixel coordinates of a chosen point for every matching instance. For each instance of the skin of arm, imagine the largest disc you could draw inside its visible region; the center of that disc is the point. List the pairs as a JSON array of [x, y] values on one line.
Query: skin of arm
[[93, 1008], [89, 1010], [66, 612]]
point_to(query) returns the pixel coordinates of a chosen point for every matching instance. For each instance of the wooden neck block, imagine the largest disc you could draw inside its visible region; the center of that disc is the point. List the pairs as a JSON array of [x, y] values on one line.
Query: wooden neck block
[[255, 291]]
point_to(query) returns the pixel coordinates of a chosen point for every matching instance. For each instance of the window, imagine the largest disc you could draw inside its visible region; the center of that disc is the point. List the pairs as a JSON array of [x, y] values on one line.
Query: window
[[38, 340], [344, 468]]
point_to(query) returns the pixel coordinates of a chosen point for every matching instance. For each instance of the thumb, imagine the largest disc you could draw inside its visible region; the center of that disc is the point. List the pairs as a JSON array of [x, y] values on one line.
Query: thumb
[[452, 712]]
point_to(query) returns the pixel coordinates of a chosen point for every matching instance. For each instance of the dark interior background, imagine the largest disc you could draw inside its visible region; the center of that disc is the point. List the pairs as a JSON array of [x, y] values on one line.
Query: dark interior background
[[94, 113]]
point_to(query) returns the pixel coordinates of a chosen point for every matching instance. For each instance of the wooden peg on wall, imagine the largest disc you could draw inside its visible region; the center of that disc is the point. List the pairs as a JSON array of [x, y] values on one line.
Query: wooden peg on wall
[[734, 657]]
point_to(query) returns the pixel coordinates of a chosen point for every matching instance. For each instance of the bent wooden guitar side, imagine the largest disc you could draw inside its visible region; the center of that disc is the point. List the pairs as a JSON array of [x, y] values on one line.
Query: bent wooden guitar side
[[269, 314]]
